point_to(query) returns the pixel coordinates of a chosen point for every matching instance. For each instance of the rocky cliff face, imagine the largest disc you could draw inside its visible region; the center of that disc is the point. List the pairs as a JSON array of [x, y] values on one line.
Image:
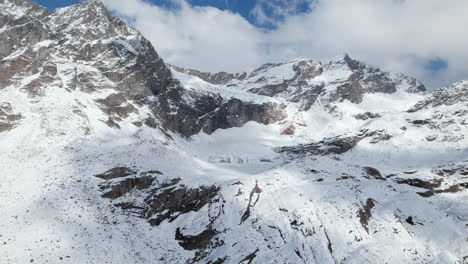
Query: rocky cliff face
[[109, 155]]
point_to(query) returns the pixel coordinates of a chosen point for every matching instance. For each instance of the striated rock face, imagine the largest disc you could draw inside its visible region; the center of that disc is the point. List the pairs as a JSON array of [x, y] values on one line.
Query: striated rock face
[[235, 113], [457, 93], [171, 201], [8, 119], [365, 213], [213, 78], [366, 116], [162, 199], [121, 180], [336, 145], [21, 25]]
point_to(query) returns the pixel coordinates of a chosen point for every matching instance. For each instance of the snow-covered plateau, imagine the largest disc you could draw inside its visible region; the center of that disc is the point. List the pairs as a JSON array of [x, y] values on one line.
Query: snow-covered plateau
[[110, 155]]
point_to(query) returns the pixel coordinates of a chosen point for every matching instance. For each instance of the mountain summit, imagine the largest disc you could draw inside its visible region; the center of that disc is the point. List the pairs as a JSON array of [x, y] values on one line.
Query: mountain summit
[[110, 155]]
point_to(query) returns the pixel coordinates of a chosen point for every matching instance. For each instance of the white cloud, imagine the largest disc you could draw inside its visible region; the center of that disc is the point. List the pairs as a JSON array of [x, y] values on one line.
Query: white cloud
[[198, 37], [396, 35]]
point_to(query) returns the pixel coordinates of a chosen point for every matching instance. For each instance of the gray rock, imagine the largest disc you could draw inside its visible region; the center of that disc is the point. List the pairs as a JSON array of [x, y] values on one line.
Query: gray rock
[[8, 118], [213, 78]]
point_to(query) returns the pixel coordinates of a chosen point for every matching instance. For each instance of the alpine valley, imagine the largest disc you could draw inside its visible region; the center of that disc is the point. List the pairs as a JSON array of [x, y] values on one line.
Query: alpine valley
[[110, 155]]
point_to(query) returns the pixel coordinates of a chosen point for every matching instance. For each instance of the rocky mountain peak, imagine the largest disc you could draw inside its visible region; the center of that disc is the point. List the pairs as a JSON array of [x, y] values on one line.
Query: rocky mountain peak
[[353, 64], [307, 69], [16, 12], [89, 20]]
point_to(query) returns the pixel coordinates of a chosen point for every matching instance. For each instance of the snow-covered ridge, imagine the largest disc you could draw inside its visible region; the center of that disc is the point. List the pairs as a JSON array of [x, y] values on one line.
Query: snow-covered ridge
[[307, 81]]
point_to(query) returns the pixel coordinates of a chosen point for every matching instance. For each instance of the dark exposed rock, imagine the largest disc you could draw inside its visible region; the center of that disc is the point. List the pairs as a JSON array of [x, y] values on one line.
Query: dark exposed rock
[[344, 178], [218, 261], [452, 189], [366, 116], [449, 171], [151, 122], [306, 70], [213, 78], [121, 187], [377, 136], [116, 104], [456, 93], [235, 113], [116, 107], [419, 122], [431, 186], [307, 96], [374, 173], [252, 202], [329, 243], [289, 130], [170, 202], [249, 258], [196, 242], [8, 119], [5, 127], [23, 29], [426, 194], [118, 172], [365, 214], [162, 200], [335, 145], [409, 220], [121, 180], [420, 183], [270, 89]]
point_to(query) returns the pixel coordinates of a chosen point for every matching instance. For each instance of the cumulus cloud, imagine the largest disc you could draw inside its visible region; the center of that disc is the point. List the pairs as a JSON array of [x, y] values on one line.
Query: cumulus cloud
[[199, 37], [396, 35]]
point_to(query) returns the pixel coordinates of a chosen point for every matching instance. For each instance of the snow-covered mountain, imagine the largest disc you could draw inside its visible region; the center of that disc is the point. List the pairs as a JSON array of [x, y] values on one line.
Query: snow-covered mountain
[[109, 155]]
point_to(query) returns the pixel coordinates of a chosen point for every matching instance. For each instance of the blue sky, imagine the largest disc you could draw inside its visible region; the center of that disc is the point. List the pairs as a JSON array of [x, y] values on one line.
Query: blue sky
[[240, 6]]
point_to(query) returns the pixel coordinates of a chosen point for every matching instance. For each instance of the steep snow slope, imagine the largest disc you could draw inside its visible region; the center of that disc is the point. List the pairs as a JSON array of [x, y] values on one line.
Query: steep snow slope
[[359, 166]]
